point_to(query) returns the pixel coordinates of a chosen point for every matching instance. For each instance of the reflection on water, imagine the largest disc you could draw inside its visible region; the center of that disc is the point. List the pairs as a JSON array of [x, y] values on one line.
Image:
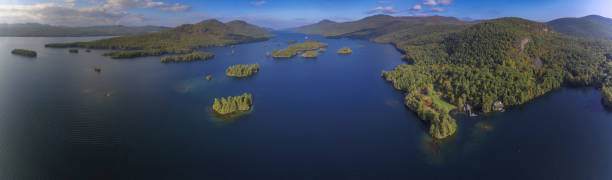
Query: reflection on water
[[436, 151], [478, 135]]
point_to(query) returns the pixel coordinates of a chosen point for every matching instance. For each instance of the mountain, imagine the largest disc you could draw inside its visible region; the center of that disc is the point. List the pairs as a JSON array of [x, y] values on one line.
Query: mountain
[[592, 26], [43, 30], [478, 66], [373, 26], [180, 39]]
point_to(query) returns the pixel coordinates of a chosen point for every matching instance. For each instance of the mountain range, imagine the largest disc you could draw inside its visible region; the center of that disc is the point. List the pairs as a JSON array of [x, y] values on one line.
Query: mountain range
[[592, 26], [43, 30]]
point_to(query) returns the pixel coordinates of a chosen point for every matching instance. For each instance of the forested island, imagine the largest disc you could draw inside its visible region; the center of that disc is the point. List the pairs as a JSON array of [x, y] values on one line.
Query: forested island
[[295, 49], [24, 52], [188, 57], [310, 54], [345, 50], [484, 65], [231, 105], [182, 39], [242, 70]]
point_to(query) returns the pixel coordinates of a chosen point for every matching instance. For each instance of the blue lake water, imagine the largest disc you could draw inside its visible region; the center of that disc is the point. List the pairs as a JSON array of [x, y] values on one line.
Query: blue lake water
[[332, 117]]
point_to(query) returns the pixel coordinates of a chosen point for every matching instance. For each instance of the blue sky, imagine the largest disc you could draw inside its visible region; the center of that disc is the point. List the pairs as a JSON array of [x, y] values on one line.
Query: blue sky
[[281, 13]]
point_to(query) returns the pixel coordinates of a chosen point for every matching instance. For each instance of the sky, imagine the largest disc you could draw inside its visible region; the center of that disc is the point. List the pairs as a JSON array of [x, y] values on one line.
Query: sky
[[281, 14]]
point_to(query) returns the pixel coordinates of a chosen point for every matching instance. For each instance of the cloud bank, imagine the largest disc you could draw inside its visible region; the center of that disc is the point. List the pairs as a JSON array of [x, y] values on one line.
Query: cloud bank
[[109, 12]]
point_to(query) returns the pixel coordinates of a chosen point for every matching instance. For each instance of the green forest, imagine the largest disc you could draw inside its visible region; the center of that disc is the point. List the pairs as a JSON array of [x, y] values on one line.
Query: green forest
[[188, 57], [242, 70], [230, 105], [510, 60], [295, 49], [606, 95], [24, 52]]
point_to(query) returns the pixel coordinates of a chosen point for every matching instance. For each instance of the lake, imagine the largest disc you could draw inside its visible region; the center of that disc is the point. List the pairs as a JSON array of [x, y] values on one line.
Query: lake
[[332, 117]]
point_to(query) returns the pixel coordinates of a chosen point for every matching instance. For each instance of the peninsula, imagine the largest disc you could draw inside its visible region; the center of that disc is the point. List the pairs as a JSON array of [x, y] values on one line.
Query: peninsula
[[182, 39], [295, 49], [484, 65]]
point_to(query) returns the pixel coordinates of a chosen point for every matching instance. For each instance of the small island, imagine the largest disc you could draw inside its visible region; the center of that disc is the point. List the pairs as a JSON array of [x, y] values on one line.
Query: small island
[[242, 70], [97, 69], [345, 50], [188, 57], [73, 50], [291, 41], [267, 53], [606, 96], [310, 54], [322, 49], [293, 50], [208, 78], [24, 52], [231, 105]]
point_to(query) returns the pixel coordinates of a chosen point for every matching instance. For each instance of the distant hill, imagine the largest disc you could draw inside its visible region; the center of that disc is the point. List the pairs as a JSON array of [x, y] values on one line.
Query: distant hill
[[592, 26], [180, 39], [373, 26], [43, 30]]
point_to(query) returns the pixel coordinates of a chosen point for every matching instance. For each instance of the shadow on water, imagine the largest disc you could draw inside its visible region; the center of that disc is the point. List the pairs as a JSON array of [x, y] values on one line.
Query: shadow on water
[[221, 120]]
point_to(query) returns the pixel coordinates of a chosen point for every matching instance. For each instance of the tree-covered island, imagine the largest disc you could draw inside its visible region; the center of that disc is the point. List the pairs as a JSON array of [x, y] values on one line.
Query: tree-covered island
[[242, 70], [345, 50], [295, 49], [195, 56], [231, 105], [24, 52], [310, 54]]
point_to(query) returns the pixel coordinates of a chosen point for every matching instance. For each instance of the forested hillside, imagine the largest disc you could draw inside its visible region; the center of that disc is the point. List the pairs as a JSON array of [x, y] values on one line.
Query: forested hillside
[[508, 61]]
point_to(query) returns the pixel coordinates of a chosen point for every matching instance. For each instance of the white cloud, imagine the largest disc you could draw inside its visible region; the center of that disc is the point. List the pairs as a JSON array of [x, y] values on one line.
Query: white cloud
[[51, 13], [69, 2], [416, 7], [130, 4], [437, 10], [109, 12], [258, 3], [176, 7], [438, 3], [445, 2], [430, 2], [386, 10]]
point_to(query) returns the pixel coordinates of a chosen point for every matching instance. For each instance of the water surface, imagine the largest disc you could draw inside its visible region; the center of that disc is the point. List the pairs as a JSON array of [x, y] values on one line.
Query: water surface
[[332, 117]]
